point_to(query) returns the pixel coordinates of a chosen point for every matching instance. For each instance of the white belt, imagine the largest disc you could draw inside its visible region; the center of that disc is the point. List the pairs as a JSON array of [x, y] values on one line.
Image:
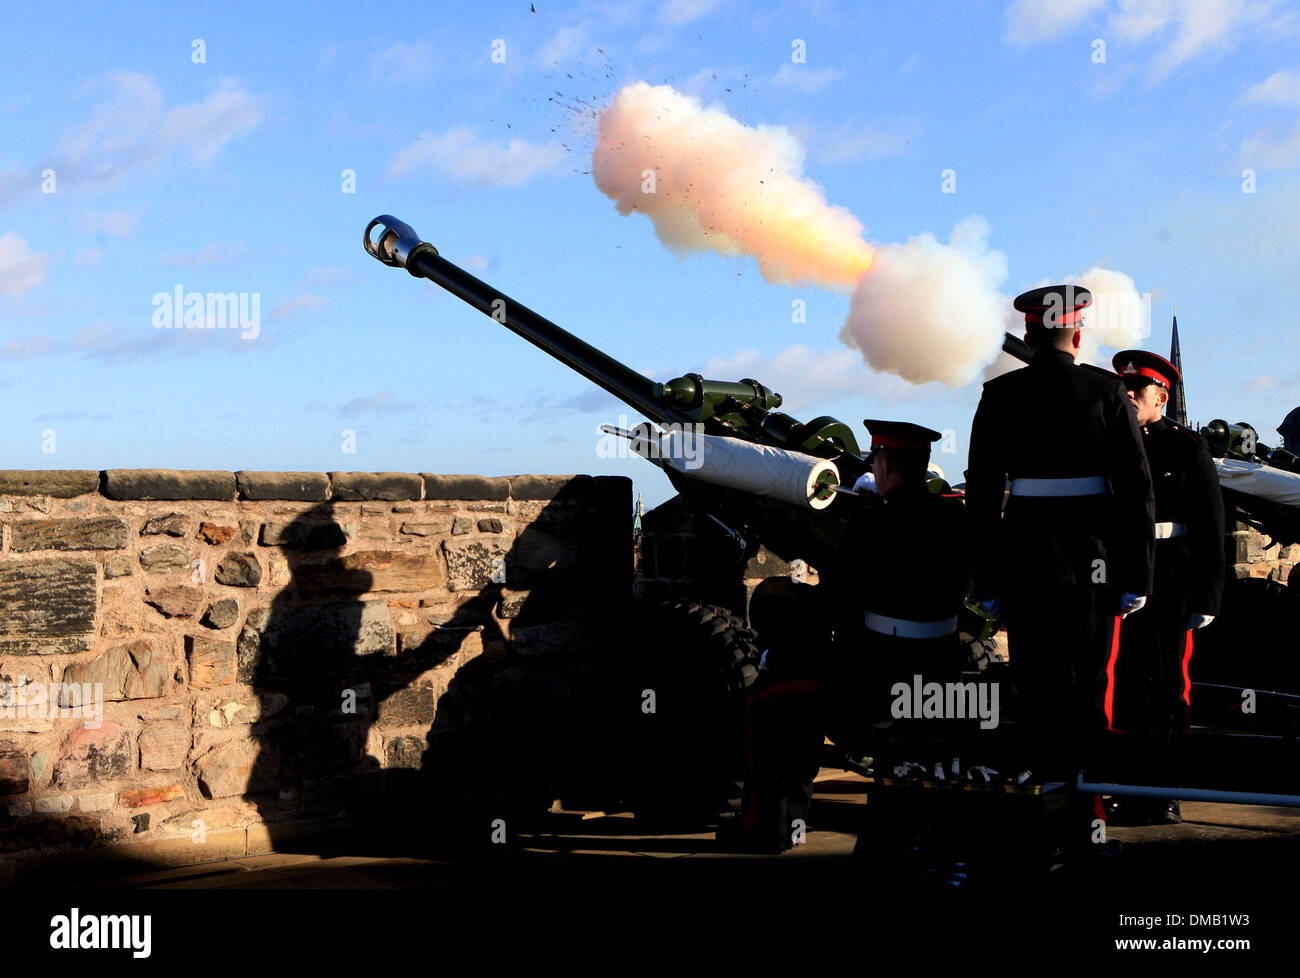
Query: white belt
[[1088, 485], [1167, 531], [902, 628]]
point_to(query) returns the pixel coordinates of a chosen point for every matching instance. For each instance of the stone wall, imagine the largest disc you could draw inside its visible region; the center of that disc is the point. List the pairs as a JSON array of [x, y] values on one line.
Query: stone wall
[[202, 664], [1249, 556]]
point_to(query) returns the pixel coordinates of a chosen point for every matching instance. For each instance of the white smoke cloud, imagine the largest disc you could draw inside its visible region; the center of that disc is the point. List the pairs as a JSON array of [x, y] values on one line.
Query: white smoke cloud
[[710, 183], [929, 310], [924, 310], [1119, 318]]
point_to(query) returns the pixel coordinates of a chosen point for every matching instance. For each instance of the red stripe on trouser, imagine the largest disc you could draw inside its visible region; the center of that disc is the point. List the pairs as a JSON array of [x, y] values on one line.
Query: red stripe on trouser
[[1110, 676], [1187, 681]]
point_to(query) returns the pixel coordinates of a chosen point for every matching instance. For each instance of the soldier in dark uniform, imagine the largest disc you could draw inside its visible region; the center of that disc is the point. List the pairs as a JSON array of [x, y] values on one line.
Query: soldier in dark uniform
[[909, 576], [1289, 429], [894, 602], [1152, 677], [1072, 552]]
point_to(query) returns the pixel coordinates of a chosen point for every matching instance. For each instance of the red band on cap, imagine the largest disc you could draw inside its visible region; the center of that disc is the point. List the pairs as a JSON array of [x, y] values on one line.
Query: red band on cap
[[1159, 378], [1062, 319]]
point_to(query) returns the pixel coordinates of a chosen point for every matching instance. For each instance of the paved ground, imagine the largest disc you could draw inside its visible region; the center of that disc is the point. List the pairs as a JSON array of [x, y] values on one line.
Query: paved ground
[[587, 880], [1233, 842]]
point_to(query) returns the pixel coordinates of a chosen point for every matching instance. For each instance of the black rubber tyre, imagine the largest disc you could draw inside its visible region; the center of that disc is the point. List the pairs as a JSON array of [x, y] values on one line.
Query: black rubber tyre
[[683, 675]]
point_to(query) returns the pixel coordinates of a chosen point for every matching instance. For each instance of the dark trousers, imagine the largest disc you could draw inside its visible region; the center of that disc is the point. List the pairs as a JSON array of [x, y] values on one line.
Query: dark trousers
[[1152, 679], [1062, 641], [785, 737]]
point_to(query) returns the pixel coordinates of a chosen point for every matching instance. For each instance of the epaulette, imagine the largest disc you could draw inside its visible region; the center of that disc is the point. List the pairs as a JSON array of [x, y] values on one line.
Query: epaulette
[[1191, 434]]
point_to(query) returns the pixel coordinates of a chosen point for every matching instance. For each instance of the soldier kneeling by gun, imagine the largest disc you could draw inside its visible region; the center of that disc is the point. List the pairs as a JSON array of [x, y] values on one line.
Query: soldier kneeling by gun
[[894, 611]]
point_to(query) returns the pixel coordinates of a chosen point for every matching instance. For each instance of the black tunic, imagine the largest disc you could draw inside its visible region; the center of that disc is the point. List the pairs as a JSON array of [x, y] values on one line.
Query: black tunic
[[1189, 568], [1055, 419], [1058, 563], [1152, 674]]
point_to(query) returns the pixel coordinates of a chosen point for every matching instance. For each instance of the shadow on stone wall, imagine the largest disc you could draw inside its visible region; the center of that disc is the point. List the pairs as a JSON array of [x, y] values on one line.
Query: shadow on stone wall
[[471, 726]]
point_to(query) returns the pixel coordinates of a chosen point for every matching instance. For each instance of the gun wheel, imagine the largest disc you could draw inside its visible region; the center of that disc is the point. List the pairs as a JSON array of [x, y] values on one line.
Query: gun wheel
[[685, 669]]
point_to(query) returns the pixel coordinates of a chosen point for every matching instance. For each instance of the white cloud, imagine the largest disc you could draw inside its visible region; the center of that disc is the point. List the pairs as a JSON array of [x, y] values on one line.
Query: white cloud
[[26, 347], [115, 344], [133, 130], [803, 376], [1279, 88], [20, 269], [1186, 28], [853, 144], [458, 153], [801, 78], [381, 403], [403, 62], [116, 223], [88, 256], [1271, 149], [678, 12], [288, 307], [1033, 20], [564, 44]]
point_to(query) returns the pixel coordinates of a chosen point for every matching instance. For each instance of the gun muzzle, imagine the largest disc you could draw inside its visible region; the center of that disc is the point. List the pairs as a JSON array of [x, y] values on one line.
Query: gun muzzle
[[395, 244]]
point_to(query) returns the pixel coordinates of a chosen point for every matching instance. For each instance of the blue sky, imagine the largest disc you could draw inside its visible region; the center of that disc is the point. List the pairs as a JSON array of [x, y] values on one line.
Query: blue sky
[[226, 175]]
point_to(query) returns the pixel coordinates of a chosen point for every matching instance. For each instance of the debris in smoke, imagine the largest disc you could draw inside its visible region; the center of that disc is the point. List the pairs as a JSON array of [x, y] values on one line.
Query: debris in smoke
[[925, 310], [711, 183]]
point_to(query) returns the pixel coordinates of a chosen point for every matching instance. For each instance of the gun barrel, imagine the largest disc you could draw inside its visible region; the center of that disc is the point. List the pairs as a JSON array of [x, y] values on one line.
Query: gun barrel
[[400, 246], [1017, 347]]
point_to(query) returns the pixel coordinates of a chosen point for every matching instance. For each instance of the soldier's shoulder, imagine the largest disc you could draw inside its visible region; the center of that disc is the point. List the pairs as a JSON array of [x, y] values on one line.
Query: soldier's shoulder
[[1187, 438], [1005, 381], [1100, 378]]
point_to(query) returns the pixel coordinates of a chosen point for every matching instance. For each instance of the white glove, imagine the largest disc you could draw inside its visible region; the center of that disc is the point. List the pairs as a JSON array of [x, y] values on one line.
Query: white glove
[[992, 606], [1129, 603], [865, 483], [1199, 621]]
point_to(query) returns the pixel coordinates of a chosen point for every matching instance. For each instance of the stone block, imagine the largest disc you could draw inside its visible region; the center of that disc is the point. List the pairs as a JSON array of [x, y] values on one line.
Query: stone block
[[177, 601], [164, 747], [221, 614], [215, 533], [581, 488], [293, 641], [369, 571], [47, 607], [93, 754], [164, 557], [426, 528], [93, 533], [168, 484], [228, 769], [127, 672], [141, 797], [58, 483], [212, 663], [357, 486], [308, 487], [14, 769], [471, 563], [239, 570], [464, 487], [304, 534], [172, 524]]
